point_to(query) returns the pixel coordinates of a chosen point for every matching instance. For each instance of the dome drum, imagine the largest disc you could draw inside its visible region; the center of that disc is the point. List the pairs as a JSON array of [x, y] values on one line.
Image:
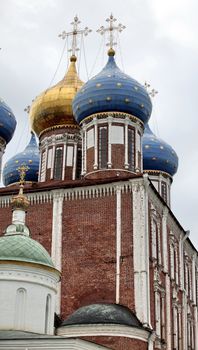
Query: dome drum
[[60, 151], [111, 146]]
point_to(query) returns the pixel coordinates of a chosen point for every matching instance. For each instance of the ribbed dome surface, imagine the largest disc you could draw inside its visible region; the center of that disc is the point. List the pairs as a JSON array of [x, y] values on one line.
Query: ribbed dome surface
[[157, 154], [112, 90], [54, 106], [22, 248], [7, 122], [102, 313], [29, 157]]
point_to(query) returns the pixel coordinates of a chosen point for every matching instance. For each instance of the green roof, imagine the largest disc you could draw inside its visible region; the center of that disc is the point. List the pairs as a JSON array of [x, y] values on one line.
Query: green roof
[[23, 248]]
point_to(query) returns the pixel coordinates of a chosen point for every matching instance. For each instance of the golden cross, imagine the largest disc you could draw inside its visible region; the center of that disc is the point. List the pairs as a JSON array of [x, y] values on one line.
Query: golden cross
[[74, 33], [152, 92], [111, 28], [22, 169]]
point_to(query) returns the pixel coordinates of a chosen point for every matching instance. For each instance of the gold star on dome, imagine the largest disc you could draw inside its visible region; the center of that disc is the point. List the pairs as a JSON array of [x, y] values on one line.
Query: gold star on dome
[[74, 34]]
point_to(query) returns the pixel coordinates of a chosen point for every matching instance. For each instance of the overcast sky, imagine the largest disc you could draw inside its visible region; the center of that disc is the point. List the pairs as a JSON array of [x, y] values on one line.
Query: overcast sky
[[159, 45]]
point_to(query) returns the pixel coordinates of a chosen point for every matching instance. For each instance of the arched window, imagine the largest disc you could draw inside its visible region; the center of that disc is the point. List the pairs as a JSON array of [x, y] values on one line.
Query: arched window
[[47, 314], [20, 308]]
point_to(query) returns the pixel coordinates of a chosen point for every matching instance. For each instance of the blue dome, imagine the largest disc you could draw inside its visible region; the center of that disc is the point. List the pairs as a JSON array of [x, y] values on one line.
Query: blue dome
[[157, 154], [29, 157], [112, 90], [7, 122]]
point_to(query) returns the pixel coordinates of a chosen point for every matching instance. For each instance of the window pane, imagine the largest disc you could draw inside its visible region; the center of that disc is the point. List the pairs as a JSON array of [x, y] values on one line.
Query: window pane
[[58, 163], [103, 147], [90, 138], [49, 159], [131, 149], [117, 135], [70, 151]]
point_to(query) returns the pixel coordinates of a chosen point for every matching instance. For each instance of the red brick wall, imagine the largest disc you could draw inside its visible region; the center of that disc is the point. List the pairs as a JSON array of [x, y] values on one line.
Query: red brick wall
[[5, 218], [118, 343], [117, 152], [126, 263], [90, 159], [39, 220], [88, 271]]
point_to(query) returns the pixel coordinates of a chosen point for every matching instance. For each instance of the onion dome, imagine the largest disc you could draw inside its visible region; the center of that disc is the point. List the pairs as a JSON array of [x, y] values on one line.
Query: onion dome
[[104, 314], [53, 108], [20, 247], [7, 122], [29, 157], [157, 154], [112, 90]]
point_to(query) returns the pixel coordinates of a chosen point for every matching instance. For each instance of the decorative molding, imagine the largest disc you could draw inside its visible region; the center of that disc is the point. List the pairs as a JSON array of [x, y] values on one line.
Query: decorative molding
[[118, 242], [52, 343], [104, 330]]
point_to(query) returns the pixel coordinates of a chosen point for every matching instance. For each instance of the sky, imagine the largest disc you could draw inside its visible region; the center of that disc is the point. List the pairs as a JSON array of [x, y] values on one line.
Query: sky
[[159, 45]]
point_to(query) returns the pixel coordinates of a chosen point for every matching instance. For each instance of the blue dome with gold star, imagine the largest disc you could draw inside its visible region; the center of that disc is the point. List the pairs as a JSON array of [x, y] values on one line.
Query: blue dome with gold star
[[29, 157], [7, 122], [157, 154], [112, 90]]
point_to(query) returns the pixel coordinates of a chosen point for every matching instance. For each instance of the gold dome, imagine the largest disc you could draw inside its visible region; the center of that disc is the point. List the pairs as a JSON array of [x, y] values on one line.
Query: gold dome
[[54, 106]]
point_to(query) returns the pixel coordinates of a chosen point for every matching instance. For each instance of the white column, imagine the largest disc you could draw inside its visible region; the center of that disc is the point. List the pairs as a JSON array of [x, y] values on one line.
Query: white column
[[95, 144], [141, 250], [196, 326], [168, 314], [85, 151], [40, 163], [164, 239], [175, 328], [109, 162], [163, 335], [118, 242], [2, 150], [157, 314], [56, 248], [126, 146], [64, 160], [184, 321], [53, 158], [194, 279], [74, 162]]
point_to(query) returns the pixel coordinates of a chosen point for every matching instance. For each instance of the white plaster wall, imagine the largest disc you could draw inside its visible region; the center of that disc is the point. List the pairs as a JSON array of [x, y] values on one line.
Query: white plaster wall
[[37, 283]]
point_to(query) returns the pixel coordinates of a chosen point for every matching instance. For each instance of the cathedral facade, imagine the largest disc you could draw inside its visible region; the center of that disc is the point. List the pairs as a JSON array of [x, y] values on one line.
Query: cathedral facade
[[108, 265]]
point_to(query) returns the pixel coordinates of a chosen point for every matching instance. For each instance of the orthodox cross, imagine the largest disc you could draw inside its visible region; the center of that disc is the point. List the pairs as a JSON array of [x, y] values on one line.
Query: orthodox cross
[[27, 109], [152, 92], [22, 173], [111, 29], [74, 33]]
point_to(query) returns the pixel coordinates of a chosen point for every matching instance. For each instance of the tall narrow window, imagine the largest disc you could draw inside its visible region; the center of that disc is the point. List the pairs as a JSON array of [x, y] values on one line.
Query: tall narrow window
[[49, 159], [164, 191], [131, 149], [20, 309], [103, 147], [58, 164], [47, 314], [79, 163], [43, 166]]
